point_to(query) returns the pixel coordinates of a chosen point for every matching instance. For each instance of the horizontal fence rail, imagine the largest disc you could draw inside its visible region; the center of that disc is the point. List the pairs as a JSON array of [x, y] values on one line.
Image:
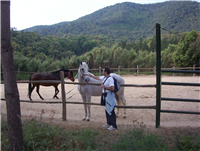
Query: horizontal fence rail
[[180, 99], [180, 112], [77, 83], [122, 85], [39, 81], [180, 84], [182, 71], [98, 104]]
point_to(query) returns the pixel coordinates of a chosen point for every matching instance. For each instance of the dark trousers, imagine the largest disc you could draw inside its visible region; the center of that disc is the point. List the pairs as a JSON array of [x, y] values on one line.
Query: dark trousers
[[111, 119]]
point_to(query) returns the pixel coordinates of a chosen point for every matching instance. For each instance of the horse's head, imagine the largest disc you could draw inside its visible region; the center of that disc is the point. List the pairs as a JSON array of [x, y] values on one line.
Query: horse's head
[[83, 70], [69, 74]]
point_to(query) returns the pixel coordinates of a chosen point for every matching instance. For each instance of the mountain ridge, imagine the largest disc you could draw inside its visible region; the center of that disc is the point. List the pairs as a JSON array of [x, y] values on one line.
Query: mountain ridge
[[129, 21]]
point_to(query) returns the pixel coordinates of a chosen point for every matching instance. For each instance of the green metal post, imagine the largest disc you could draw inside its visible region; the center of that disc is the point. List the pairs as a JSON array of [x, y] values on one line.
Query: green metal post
[[158, 75]]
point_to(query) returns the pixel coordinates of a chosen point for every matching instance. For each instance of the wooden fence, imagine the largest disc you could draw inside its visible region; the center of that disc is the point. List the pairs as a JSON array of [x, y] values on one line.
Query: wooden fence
[[136, 71], [64, 102]]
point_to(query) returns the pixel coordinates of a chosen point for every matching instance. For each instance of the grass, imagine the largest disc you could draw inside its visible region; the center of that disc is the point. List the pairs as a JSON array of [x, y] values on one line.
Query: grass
[[43, 136], [137, 139], [187, 142]]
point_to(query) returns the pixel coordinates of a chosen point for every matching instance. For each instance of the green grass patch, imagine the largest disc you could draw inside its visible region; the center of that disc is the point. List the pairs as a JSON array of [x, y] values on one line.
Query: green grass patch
[[43, 136], [189, 142], [139, 140]]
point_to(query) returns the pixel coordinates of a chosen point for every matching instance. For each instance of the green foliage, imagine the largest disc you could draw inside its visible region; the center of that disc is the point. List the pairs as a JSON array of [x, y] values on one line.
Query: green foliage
[[42, 136], [167, 56], [187, 51], [137, 139], [38, 135], [31, 44], [187, 143], [182, 53]]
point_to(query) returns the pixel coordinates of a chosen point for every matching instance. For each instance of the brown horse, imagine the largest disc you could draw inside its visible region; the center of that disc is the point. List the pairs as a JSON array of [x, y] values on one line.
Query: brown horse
[[55, 75]]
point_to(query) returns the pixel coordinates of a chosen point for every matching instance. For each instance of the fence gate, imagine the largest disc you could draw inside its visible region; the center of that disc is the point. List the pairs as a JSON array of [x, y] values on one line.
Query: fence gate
[[159, 83]]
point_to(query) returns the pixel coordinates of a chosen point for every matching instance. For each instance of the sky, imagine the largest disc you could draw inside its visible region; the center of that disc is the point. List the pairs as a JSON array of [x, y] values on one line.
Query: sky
[[29, 13]]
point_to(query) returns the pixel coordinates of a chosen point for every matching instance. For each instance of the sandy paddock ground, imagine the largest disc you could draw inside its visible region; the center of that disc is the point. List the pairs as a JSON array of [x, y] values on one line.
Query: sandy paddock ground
[[134, 96]]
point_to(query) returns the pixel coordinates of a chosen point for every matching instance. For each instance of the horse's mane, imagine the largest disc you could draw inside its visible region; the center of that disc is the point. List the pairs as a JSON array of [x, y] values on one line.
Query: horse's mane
[[57, 71]]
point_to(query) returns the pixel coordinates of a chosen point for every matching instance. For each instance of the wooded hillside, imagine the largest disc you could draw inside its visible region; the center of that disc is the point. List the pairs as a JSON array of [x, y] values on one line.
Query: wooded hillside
[[41, 54], [129, 21]]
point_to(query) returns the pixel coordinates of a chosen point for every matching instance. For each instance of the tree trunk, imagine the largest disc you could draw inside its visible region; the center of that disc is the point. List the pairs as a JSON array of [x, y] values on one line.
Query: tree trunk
[[11, 90]]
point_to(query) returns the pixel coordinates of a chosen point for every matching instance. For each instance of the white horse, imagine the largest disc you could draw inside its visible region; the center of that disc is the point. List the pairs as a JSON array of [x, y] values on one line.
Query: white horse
[[87, 91]]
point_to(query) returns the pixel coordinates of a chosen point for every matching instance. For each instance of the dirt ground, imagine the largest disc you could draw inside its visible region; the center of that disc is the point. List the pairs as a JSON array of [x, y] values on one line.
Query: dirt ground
[[134, 96]]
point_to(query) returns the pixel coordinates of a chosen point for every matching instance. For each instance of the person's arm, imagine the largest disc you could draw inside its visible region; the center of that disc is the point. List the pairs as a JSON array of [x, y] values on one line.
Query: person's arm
[[111, 88], [95, 77]]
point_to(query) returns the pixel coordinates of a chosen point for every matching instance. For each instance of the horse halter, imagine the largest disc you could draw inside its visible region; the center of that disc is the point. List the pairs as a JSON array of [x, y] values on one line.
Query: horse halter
[[83, 74]]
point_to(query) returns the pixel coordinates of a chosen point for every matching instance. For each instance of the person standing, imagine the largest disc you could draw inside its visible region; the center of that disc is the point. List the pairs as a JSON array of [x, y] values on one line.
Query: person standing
[[107, 88]]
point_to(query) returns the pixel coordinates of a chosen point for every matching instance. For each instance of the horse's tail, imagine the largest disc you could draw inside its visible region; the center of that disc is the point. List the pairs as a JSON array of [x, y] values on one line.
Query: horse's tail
[[29, 87], [120, 103]]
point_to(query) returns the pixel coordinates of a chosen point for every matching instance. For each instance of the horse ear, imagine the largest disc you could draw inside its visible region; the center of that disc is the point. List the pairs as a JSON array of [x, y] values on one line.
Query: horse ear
[[81, 63], [87, 62]]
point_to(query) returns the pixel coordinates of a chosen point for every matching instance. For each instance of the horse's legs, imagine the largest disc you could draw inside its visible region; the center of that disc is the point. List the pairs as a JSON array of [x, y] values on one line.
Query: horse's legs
[[88, 100], [124, 103], [56, 92], [30, 91], [37, 90], [84, 101], [117, 99]]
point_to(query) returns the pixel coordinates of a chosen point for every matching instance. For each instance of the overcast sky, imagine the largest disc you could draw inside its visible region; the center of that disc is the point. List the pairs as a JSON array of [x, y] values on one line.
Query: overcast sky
[[28, 13]]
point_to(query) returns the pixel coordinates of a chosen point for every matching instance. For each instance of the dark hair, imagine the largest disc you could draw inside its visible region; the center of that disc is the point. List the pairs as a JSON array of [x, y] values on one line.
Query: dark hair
[[107, 69]]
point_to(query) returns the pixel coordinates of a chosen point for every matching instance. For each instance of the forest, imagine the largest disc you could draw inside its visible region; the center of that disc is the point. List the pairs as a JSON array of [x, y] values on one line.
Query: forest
[[34, 53], [129, 21]]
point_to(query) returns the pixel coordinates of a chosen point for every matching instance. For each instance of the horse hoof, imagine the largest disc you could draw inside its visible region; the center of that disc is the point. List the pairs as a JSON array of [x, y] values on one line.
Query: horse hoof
[[87, 119], [84, 118], [124, 116]]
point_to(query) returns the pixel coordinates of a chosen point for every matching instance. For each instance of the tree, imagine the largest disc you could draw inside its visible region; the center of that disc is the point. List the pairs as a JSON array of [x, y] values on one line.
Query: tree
[[187, 51], [11, 91]]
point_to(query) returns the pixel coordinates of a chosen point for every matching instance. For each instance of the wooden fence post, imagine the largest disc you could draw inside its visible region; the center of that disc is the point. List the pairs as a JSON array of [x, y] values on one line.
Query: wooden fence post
[[154, 69], [18, 72], [173, 69], [63, 95], [194, 69], [99, 71], [137, 70], [118, 70]]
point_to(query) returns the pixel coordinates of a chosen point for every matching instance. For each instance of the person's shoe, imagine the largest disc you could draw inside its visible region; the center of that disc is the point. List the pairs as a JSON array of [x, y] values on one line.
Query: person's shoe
[[111, 128], [106, 125]]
